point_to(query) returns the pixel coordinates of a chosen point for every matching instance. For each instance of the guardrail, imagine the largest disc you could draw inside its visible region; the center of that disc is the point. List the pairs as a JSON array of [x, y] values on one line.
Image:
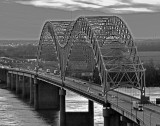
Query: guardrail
[[139, 121]]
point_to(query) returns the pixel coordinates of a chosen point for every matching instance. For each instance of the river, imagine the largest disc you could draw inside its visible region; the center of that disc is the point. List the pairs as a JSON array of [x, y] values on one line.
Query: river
[[17, 112]]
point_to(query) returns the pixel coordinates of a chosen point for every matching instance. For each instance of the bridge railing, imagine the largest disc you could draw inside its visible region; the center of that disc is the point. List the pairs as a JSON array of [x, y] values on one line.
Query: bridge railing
[[131, 114]]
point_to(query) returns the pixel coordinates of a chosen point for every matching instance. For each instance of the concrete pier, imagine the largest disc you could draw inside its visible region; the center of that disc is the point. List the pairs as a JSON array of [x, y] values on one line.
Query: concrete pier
[[8, 80], [75, 118], [20, 84], [12, 84], [106, 116], [115, 119], [46, 96], [36, 94], [31, 90], [27, 87], [91, 112], [62, 94], [23, 87], [18, 90]]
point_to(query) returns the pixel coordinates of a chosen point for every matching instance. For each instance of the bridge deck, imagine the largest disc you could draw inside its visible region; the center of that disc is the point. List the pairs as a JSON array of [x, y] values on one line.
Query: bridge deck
[[120, 102]]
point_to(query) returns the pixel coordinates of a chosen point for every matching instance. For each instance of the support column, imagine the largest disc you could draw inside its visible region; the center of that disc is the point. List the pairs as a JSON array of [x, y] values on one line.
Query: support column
[[115, 119], [62, 94], [20, 83], [8, 81], [91, 112], [106, 115], [11, 81], [23, 88], [31, 91], [46, 96], [5, 77], [27, 87], [14, 82], [36, 94], [17, 84]]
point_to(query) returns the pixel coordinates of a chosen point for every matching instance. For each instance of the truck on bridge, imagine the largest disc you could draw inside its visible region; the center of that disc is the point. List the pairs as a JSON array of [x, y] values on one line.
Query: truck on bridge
[[137, 106]]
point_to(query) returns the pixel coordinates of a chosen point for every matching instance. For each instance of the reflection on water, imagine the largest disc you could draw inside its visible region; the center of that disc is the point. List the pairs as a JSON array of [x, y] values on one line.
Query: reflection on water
[[50, 116], [15, 112], [78, 103]]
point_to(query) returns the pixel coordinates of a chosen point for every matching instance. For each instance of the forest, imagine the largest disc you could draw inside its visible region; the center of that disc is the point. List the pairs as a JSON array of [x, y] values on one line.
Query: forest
[[21, 52], [152, 74]]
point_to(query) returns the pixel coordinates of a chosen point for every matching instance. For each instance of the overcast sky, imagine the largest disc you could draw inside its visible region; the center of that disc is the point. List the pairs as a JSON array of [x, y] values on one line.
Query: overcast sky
[[23, 19]]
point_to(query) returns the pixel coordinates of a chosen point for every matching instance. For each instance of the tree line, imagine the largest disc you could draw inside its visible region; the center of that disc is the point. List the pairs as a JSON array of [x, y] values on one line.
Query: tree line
[[30, 51], [152, 74], [22, 52]]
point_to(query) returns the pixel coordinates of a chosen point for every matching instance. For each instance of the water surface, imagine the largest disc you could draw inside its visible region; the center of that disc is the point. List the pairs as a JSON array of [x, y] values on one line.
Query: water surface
[[16, 112]]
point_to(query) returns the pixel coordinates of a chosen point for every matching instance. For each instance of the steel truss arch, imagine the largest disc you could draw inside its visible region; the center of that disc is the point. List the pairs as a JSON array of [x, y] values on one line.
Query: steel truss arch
[[82, 25], [112, 44], [57, 33]]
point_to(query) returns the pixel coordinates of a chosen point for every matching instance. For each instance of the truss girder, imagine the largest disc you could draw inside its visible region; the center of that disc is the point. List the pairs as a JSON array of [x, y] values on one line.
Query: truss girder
[[56, 31], [112, 45]]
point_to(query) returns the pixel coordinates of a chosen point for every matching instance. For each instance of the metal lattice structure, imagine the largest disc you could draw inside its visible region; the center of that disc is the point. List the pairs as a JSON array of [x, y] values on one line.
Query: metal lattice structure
[[113, 50]]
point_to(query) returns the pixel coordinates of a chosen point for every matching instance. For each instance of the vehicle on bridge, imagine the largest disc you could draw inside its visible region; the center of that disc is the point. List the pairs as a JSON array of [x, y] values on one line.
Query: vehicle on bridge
[[56, 72], [48, 70], [137, 106]]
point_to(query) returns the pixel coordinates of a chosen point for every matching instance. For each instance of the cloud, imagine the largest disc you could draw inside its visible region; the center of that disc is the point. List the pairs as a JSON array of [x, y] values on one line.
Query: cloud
[[151, 2], [131, 9], [113, 6], [69, 4]]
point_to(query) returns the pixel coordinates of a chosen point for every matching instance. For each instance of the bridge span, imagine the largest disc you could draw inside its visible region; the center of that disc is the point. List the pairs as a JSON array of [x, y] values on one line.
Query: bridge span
[[47, 91], [91, 56]]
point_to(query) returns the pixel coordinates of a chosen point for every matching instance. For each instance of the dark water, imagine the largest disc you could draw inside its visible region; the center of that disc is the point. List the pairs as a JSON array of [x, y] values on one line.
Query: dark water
[[16, 112]]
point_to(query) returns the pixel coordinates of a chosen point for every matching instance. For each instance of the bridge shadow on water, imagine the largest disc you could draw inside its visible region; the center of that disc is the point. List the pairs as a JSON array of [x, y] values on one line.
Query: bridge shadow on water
[[26, 112], [49, 116]]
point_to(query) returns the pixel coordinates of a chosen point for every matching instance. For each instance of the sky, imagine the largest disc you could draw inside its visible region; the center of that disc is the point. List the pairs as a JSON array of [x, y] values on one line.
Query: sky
[[24, 19]]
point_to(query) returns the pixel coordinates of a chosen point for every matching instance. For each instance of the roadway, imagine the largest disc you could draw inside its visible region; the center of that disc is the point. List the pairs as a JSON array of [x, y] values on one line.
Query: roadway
[[149, 115]]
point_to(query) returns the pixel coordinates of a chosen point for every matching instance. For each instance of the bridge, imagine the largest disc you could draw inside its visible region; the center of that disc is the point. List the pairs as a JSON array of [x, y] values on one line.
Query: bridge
[[91, 56]]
